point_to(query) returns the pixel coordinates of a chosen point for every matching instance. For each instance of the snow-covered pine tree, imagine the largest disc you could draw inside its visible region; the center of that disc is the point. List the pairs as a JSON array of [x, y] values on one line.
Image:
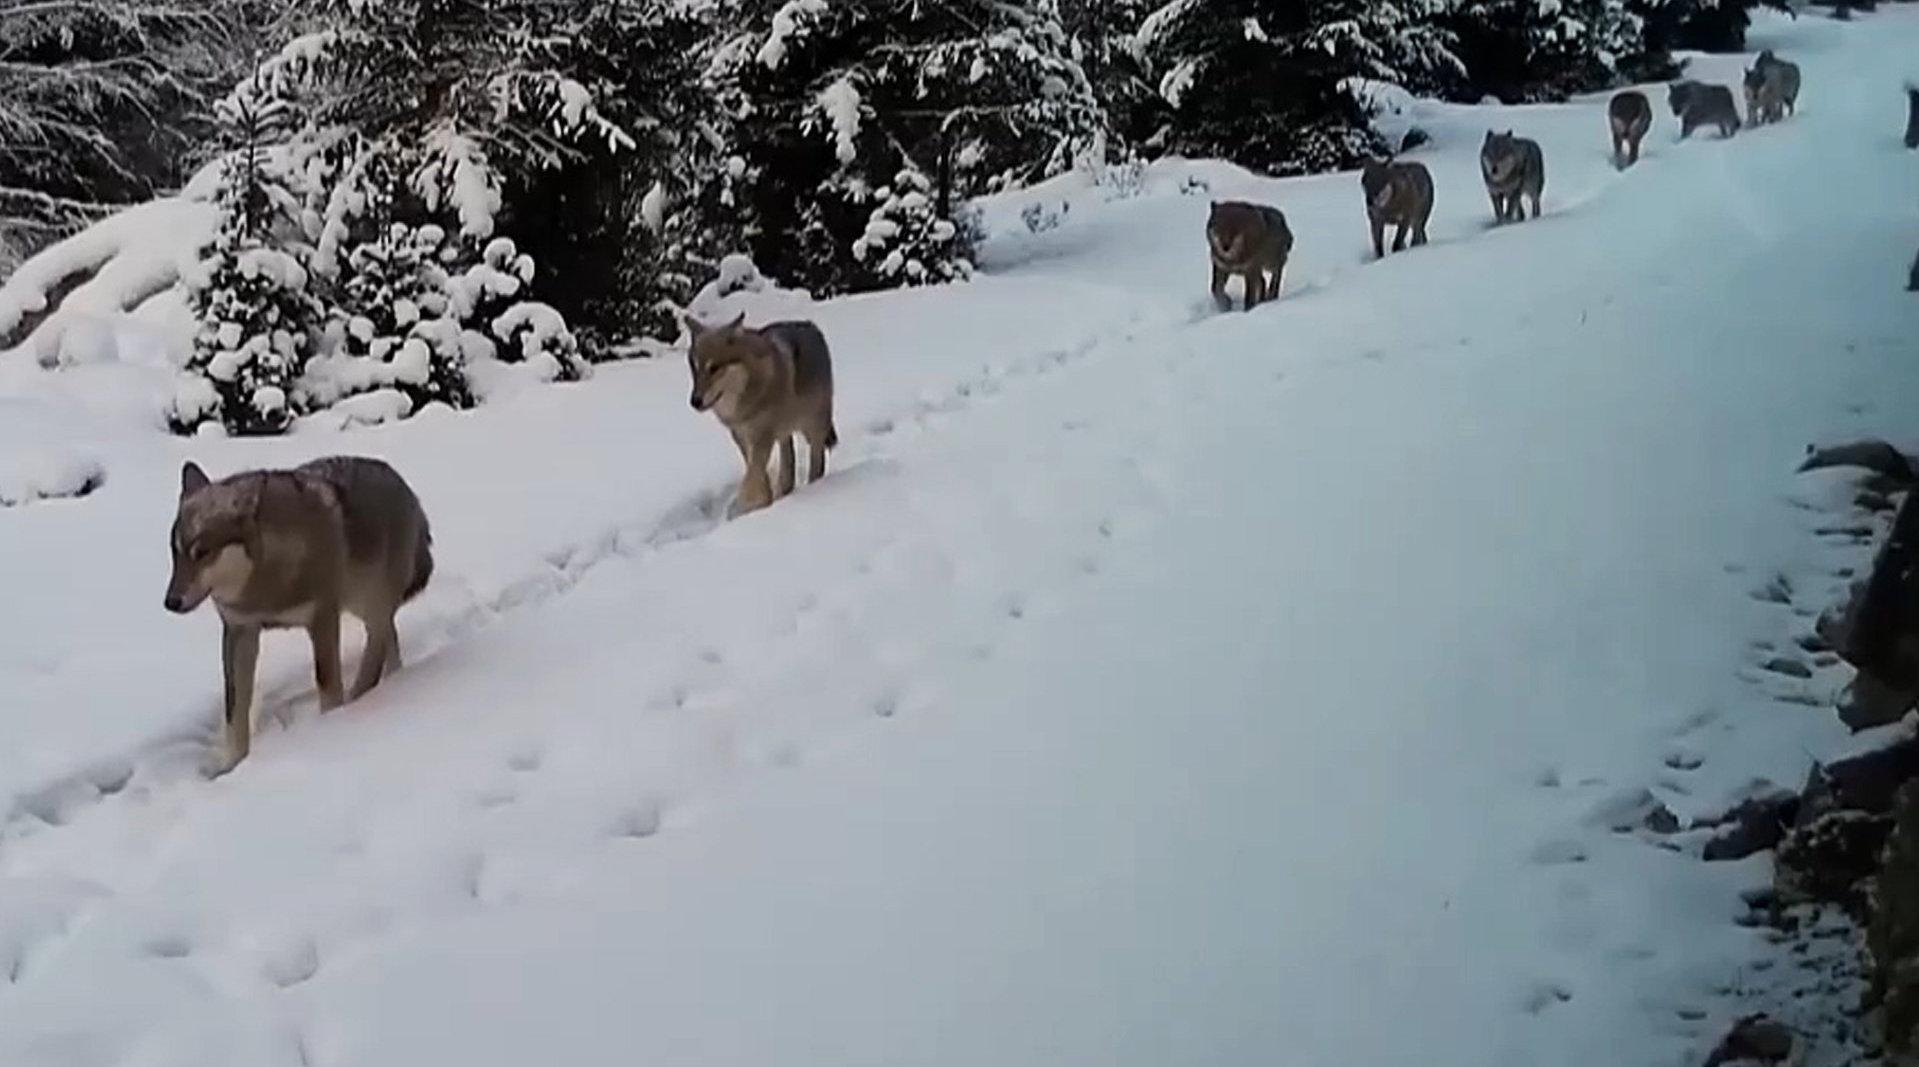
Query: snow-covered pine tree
[[251, 298], [101, 102], [1547, 49], [1103, 33], [1704, 25], [831, 101], [419, 117], [1262, 82], [632, 231]]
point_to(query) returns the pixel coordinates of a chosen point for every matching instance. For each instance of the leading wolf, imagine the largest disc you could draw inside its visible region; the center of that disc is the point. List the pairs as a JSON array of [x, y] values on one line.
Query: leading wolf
[[277, 549], [1251, 241]]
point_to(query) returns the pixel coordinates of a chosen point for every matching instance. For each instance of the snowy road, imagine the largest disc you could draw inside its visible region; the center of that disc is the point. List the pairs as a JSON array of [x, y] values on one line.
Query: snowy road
[[1144, 686]]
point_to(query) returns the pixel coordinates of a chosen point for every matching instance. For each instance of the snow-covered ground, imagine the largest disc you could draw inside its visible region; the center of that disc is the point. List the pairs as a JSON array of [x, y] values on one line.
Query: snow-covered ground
[[1143, 686]]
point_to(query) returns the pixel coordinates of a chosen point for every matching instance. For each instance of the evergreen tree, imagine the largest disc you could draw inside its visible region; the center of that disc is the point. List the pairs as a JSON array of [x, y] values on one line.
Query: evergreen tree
[[1702, 25], [1264, 82], [255, 311], [637, 230], [1105, 42], [417, 117], [1546, 49], [830, 104], [100, 104]]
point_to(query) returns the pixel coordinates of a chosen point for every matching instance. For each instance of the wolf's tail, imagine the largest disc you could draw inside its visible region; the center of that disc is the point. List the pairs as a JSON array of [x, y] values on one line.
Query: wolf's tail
[[422, 565], [1872, 454]]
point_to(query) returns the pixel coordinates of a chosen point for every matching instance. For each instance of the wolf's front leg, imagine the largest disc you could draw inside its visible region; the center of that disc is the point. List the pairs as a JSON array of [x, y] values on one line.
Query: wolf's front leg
[[239, 655], [756, 491], [324, 632]]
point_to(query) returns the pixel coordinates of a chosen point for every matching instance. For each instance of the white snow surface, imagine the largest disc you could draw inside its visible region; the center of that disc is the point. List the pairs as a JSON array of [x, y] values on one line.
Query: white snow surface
[[1142, 685]]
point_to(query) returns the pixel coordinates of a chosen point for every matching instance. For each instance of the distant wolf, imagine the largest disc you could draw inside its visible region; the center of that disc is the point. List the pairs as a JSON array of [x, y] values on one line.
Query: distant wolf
[[1912, 283], [1772, 89], [766, 385], [1514, 167], [1697, 104], [294, 548], [1399, 194], [1629, 116], [1249, 240], [1912, 115]]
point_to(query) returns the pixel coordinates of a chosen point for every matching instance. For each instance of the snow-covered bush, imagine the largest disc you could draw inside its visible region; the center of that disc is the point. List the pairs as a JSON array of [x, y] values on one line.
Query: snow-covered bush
[[251, 295], [419, 316], [391, 290], [906, 242], [256, 316]]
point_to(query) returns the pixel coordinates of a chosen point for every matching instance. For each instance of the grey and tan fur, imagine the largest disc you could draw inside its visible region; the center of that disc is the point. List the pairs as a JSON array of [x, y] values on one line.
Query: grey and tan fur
[[1697, 104], [1514, 168], [1772, 89], [1629, 117], [1250, 241], [766, 386], [1912, 115], [1399, 194], [278, 549]]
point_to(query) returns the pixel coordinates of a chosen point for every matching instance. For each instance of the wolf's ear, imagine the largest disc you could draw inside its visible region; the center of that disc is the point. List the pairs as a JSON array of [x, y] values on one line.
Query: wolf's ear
[[734, 326], [192, 479], [694, 327], [1509, 133]]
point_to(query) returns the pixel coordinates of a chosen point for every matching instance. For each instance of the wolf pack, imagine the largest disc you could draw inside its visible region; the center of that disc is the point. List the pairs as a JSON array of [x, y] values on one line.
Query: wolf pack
[[298, 548], [1252, 241]]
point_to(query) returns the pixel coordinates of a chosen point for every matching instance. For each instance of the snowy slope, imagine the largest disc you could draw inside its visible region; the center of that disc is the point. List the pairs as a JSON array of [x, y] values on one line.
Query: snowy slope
[[1144, 686]]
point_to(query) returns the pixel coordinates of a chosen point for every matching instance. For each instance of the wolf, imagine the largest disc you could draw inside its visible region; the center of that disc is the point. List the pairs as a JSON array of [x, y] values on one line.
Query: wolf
[[1697, 104], [1629, 115], [1513, 167], [766, 385], [1783, 76], [1400, 194], [1772, 89], [1912, 283], [1252, 241], [277, 549], [1912, 115]]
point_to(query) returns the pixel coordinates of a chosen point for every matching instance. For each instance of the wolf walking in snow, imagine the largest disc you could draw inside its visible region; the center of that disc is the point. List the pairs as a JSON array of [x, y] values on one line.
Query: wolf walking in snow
[[766, 385], [1629, 116], [1697, 104], [295, 548], [1772, 89], [1251, 241], [1400, 194], [1513, 167], [1912, 283], [1912, 115]]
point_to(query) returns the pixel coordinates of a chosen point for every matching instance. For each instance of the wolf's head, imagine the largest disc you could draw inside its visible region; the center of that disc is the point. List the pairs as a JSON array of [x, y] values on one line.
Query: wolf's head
[[1678, 93], [1499, 155], [213, 541], [1376, 178], [1231, 227], [721, 359]]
